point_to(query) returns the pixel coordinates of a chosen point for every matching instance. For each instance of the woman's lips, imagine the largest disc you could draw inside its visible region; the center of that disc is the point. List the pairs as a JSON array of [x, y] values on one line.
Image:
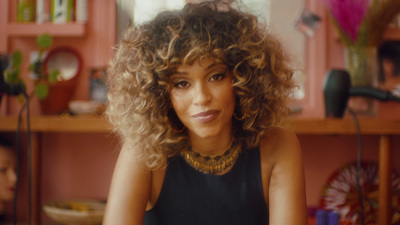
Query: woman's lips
[[206, 116]]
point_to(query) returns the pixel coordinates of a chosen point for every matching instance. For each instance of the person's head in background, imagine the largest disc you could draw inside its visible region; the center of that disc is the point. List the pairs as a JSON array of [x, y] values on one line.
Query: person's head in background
[[8, 177], [389, 61]]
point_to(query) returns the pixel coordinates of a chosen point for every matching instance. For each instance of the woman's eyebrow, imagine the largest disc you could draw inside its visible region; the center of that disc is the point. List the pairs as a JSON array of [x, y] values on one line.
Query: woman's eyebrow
[[212, 65], [215, 64], [177, 73]]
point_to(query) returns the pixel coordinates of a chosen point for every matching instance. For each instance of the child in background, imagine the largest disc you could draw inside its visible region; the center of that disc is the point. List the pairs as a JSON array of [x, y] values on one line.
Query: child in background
[[8, 177]]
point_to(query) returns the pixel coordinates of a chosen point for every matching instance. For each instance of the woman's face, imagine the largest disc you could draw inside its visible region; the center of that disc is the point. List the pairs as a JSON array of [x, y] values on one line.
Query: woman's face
[[388, 67], [8, 177], [203, 97]]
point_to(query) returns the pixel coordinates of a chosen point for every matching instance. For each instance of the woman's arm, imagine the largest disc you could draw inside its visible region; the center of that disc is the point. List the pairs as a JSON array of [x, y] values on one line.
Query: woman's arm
[[129, 191], [281, 155]]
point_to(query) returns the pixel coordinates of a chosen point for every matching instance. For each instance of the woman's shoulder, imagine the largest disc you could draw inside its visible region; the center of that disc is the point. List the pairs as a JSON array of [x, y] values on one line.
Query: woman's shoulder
[[279, 141], [278, 135]]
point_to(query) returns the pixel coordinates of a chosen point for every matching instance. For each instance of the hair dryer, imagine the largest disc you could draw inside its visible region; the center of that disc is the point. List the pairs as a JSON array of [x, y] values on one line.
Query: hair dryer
[[338, 89]]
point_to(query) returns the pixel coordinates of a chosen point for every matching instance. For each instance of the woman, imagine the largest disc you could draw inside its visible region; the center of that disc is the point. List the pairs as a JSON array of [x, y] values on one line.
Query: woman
[[196, 96], [8, 177], [389, 74]]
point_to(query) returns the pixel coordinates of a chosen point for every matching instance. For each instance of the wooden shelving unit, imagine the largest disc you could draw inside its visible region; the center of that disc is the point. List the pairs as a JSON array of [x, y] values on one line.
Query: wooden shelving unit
[[96, 124], [12, 29], [56, 30], [9, 30], [93, 124]]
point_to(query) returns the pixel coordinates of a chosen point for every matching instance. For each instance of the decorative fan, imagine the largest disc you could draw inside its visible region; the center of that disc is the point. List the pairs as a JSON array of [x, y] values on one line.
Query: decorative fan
[[340, 193]]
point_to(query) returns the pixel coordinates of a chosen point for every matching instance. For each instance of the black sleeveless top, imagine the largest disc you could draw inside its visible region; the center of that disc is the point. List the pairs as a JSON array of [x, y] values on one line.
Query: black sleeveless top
[[189, 197]]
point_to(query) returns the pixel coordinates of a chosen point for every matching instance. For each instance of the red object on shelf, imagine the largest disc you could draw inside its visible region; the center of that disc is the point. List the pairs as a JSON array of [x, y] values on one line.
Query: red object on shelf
[[69, 63]]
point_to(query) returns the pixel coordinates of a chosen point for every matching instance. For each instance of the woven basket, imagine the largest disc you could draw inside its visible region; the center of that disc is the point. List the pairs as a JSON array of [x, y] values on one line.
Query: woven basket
[[90, 212]]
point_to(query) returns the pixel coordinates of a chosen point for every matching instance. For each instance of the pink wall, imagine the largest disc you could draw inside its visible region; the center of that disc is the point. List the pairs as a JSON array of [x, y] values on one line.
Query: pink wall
[[80, 165], [73, 165], [95, 48], [77, 166], [325, 154]]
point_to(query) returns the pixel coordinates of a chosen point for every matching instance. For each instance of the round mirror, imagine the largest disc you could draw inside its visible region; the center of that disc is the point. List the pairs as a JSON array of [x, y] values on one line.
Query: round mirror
[[64, 59]]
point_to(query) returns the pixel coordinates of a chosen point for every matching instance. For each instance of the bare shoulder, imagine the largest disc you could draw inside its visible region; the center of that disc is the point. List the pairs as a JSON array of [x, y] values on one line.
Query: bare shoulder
[[278, 131], [129, 190], [283, 177], [279, 141], [279, 150]]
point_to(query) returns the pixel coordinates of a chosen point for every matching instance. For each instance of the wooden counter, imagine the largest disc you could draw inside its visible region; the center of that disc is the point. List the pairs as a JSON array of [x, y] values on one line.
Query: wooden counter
[[98, 124], [371, 126]]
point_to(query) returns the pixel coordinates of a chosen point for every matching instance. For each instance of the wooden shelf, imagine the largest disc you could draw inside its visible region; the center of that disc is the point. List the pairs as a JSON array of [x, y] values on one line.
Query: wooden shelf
[[97, 124], [334, 126], [93, 124], [34, 29]]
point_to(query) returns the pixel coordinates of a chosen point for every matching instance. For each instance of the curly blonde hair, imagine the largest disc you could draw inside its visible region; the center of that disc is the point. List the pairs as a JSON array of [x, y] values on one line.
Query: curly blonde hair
[[139, 87]]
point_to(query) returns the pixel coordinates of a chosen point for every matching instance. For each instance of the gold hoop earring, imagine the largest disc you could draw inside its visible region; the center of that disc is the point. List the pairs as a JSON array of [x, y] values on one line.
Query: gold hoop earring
[[238, 118], [178, 131]]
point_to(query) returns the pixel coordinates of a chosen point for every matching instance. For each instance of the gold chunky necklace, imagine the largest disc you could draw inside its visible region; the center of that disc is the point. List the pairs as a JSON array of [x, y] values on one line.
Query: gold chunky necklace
[[211, 164]]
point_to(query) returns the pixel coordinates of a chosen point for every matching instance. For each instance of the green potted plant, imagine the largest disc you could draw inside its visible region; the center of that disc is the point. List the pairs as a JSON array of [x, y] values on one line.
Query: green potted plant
[[52, 86], [42, 79]]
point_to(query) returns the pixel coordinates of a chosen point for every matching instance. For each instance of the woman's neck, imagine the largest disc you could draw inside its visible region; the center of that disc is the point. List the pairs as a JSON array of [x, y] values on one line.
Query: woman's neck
[[211, 145], [2, 207]]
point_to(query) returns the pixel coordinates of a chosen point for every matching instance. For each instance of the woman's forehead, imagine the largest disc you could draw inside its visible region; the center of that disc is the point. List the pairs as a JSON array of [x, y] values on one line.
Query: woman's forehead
[[6, 153], [207, 62]]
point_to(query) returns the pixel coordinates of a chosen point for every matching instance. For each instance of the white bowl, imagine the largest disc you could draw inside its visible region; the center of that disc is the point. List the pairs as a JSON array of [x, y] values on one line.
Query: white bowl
[[84, 107], [79, 212]]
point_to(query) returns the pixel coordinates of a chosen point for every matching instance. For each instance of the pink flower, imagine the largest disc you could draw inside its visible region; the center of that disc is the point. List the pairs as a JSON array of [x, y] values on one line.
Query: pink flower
[[349, 15]]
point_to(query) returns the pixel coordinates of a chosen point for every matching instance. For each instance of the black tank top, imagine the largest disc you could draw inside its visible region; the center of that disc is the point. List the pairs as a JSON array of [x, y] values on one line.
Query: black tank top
[[189, 197]]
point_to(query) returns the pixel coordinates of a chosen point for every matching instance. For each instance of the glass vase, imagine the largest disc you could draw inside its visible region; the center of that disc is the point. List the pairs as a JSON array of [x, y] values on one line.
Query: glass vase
[[362, 65]]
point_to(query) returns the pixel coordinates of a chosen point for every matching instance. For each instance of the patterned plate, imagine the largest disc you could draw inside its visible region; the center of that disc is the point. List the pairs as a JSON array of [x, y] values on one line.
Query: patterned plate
[[340, 193]]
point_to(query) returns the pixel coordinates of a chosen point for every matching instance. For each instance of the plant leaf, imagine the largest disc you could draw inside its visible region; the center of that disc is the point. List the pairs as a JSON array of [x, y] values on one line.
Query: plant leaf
[[31, 67], [21, 99], [22, 84], [41, 90], [7, 76], [53, 76], [17, 58], [14, 76], [44, 41]]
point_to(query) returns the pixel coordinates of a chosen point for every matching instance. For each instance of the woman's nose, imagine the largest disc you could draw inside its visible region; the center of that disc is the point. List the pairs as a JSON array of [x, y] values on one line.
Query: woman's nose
[[202, 94], [12, 175]]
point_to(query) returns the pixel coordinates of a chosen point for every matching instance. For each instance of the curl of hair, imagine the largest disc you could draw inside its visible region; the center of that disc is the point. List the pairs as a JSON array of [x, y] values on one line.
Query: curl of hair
[[149, 53]]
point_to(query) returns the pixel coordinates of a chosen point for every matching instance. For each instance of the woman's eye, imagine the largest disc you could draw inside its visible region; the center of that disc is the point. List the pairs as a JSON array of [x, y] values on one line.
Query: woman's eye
[[3, 170], [181, 84], [218, 77]]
